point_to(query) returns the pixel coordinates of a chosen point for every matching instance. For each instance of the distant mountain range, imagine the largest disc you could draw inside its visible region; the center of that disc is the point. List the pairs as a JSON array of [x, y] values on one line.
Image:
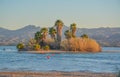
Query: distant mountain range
[[105, 36]]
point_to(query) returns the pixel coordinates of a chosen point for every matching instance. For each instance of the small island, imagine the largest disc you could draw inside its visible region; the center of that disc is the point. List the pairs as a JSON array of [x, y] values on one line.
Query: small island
[[55, 44]]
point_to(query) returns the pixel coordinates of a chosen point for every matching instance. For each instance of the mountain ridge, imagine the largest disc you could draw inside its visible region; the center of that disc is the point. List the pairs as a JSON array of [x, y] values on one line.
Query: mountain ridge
[[106, 36]]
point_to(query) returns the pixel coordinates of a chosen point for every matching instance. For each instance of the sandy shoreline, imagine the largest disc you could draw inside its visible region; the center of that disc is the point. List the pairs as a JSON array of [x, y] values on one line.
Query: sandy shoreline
[[60, 51], [54, 52], [55, 74]]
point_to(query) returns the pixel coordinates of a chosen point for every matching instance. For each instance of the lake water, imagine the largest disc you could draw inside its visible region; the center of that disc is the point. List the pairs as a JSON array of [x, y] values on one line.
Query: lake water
[[106, 61]]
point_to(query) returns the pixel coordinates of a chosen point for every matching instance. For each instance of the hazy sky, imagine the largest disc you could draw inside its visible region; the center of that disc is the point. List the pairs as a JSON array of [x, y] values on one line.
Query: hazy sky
[[15, 14]]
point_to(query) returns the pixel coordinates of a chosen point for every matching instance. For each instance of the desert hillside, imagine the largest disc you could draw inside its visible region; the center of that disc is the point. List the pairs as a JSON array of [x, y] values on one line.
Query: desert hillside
[[105, 36]]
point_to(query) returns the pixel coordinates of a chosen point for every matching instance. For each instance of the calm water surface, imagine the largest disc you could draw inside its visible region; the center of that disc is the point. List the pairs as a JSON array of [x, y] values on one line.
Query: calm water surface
[[12, 60]]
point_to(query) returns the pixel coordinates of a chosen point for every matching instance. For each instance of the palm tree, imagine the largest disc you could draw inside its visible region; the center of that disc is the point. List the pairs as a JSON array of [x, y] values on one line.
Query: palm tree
[[44, 32], [59, 24], [38, 36], [84, 36], [68, 34], [52, 32], [73, 29]]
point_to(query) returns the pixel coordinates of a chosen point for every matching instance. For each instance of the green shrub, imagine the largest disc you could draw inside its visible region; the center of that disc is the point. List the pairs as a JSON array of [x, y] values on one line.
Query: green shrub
[[31, 43], [46, 47], [20, 46], [36, 47]]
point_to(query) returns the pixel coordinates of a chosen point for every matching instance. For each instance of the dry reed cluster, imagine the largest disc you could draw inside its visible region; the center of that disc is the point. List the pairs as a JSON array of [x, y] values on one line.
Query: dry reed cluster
[[80, 44]]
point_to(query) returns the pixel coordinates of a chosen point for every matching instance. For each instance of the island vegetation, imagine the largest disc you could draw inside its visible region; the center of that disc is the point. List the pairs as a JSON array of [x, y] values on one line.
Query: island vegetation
[[71, 43]]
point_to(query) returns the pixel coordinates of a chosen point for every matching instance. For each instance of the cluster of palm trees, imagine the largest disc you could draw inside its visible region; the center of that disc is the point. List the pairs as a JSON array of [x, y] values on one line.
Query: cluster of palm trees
[[72, 32], [55, 33], [41, 35]]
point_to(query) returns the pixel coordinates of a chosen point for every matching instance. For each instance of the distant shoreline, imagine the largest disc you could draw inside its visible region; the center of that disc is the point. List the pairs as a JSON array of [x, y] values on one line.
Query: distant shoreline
[[55, 74]]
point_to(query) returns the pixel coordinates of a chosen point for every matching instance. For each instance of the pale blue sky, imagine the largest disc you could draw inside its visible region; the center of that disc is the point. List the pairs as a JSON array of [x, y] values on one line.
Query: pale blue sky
[[15, 14]]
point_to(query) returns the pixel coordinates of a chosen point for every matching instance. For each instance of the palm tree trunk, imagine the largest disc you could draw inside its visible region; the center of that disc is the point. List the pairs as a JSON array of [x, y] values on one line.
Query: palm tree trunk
[[59, 33], [73, 32]]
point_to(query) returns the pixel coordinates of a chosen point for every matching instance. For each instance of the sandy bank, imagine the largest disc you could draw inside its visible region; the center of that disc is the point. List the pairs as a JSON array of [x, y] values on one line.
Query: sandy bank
[[60, 51], [55, 52], [50, 51], [55, 74]]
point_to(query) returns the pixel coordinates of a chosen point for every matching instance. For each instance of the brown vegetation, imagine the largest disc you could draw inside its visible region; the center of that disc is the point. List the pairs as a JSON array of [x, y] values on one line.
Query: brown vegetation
[[80, 44]]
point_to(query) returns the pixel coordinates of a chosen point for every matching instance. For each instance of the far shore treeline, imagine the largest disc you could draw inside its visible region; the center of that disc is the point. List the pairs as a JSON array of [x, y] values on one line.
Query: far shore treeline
[[70, 43]]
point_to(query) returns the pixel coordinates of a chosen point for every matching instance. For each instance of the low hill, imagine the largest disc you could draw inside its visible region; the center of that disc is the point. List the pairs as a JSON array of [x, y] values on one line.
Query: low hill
[[105, 36]]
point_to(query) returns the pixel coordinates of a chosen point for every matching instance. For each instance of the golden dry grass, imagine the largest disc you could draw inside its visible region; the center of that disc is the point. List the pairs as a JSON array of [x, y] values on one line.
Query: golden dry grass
[[80, 44]]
